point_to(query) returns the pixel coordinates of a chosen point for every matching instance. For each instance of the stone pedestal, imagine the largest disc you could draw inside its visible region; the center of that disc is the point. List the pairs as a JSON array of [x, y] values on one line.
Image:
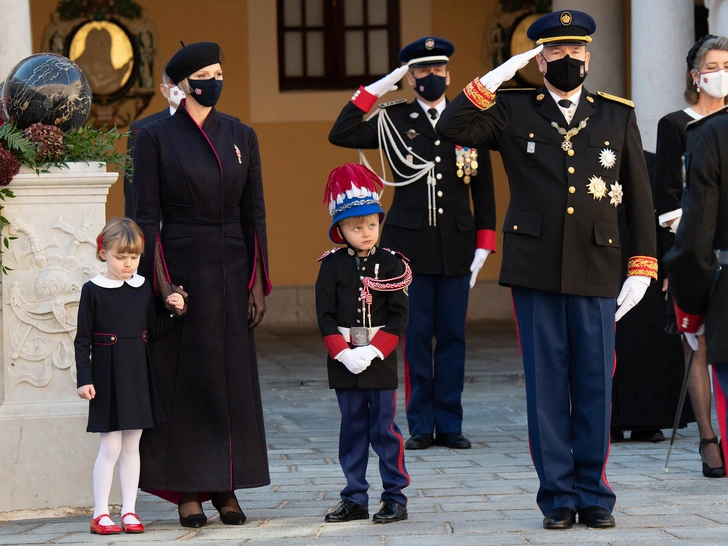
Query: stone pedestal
[[46, 456]]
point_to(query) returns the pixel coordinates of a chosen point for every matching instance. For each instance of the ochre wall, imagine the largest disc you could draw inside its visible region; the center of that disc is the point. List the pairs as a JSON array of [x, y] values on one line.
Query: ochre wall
[[296, 155]]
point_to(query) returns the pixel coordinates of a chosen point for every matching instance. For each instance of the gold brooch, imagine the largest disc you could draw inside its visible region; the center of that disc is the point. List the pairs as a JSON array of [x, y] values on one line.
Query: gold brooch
[[597, 187], [607, 158], [616, 194]]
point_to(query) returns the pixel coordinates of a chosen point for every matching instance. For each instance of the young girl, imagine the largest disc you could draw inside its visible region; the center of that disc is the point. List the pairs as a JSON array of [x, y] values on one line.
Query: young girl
[[116, 318]]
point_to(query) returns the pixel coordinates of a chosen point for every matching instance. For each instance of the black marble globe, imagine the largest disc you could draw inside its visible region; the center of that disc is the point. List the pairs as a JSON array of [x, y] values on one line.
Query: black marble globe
[[3, 117], [49, 89]]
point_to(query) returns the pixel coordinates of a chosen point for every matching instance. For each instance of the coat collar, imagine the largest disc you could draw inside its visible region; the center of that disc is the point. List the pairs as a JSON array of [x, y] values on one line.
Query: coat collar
[[548, 108], [135, 281], [210, 122], [419, 122]]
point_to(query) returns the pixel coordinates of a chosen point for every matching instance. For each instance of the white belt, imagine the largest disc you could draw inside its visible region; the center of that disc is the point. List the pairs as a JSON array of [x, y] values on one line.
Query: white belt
[[347, 336]]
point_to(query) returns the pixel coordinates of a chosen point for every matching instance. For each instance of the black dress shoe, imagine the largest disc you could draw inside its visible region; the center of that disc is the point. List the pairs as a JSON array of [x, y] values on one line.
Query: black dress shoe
[[653, 436], [191, 520], [419, 441], [347, 510], [559, 518], [453, 440], [390, 511], [596, 516], [227, 515]]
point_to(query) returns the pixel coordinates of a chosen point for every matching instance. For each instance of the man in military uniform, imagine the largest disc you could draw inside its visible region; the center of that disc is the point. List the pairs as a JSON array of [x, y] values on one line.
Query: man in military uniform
[[430, 221], [572, 159], [699, 288]]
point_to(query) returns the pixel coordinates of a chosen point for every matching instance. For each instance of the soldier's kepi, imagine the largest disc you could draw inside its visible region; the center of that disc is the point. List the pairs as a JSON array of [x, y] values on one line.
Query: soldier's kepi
[[572, 158]]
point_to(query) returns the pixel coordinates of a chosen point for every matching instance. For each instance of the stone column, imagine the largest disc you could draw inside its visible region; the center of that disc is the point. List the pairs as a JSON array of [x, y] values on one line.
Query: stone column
[[662, 33], [717, 17], [15, 37], [46, 455], [607, 69]]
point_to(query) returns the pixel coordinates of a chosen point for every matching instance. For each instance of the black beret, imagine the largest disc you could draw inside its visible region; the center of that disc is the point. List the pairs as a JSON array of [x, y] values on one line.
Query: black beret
[[191, 58], [428, 51], [562, 27]]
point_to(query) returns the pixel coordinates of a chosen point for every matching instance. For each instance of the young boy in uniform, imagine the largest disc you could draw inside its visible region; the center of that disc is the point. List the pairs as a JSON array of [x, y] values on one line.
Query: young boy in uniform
[[362, 308]]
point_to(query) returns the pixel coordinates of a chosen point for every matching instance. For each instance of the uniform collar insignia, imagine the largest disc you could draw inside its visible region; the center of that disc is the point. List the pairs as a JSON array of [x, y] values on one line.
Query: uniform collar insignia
[[540, 96], [590, 99], [104, 282], [414, 115]]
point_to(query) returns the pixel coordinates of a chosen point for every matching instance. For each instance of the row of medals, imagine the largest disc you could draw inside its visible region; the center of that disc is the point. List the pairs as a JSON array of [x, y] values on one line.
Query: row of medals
[[466, 160]]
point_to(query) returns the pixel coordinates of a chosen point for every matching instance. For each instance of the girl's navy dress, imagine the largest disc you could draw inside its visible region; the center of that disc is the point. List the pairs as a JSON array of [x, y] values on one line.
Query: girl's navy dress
[[116, 319]]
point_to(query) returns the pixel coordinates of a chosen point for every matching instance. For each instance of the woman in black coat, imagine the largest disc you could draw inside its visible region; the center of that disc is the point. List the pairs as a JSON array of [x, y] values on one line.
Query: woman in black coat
[[707, 61], [198, 175]]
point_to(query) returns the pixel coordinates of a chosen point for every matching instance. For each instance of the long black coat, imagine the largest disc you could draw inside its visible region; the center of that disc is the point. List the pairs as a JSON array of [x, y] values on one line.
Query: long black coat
[[449, 246], [205, 187], [691, 264], [558, 237], [338, 287]]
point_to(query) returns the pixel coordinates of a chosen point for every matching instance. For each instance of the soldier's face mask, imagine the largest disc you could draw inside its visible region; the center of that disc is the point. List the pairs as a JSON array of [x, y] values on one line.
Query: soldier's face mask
[[206, 92], [431, 87], [714, 84], [566, 73]]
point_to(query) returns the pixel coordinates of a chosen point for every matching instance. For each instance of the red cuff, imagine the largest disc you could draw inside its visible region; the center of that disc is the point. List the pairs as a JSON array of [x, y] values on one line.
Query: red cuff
[[485, 239], [688, 323], [335, 343], [645, 266], [385, 342], [363, 99], [479, 95]]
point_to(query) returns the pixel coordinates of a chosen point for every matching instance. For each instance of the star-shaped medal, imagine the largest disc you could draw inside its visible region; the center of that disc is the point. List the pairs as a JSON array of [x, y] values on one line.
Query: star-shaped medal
[[597, 187], [607, 158], [566, 145], [616, 194]]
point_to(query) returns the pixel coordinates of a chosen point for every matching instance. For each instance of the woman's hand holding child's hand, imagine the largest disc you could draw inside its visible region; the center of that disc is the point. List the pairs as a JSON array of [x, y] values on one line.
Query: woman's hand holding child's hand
[[87, 392], [176, 300]]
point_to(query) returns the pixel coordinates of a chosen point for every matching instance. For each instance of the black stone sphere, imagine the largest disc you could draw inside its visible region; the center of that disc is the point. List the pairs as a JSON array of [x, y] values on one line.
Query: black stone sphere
[[49, 89], [3, 117]]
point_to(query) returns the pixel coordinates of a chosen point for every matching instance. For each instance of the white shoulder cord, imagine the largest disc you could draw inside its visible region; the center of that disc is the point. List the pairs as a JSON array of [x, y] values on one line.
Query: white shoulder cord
[[385, 128]]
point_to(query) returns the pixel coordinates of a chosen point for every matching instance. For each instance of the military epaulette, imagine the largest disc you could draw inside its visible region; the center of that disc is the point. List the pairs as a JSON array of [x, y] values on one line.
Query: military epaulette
[[391, 103], [694, 123], [398, 254], [329, 252], [615, 98]]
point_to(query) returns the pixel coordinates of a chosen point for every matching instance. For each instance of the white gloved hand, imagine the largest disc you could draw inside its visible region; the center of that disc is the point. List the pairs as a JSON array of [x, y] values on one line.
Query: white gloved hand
[[353, 362], [368, 352], [493, 79], [633, 290], [692, 339], [387, 83], [478, 260], [675, 224]]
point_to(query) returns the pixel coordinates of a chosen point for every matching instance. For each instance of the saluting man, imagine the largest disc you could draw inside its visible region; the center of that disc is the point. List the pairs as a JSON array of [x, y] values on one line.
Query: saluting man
[[430, 221], [573, 158], [699, 287]]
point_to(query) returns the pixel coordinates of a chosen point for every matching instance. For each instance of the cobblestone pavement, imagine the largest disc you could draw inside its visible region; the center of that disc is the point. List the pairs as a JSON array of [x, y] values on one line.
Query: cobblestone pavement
[[481, 496]]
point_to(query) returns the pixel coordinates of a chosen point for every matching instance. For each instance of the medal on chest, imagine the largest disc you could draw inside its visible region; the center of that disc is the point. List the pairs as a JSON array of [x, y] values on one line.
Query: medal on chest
[[466, 162], [566, 145]]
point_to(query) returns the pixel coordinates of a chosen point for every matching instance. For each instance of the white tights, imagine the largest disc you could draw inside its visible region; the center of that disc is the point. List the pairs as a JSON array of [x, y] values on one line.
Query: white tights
[[113, 444]]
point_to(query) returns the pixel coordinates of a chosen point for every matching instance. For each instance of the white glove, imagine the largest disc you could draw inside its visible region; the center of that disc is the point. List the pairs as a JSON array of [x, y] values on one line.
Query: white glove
[[368, 353], [387, 83], [692, 339], [353, 361], [633, 290], [493, 79], [478, 260]]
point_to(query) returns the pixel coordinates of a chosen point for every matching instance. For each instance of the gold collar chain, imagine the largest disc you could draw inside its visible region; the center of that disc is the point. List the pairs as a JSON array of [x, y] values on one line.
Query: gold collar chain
[[566, 144]]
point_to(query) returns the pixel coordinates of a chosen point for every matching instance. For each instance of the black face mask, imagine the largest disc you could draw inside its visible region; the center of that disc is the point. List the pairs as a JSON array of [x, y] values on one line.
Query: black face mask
[[431, 87], [206, 92], [565, 74]]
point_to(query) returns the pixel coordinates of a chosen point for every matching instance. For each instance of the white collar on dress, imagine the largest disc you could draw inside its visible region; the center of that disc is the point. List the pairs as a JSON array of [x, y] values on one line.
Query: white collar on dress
[[692, 113], [104, 282]]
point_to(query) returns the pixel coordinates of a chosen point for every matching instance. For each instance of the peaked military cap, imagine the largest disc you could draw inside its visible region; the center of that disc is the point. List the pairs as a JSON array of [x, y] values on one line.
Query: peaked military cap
[[191, 58], [562, 27], [428, 51]]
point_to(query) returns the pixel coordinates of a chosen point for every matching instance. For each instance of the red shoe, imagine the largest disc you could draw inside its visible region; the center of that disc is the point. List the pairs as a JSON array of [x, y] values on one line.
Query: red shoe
[[99, 529], [132, 527]]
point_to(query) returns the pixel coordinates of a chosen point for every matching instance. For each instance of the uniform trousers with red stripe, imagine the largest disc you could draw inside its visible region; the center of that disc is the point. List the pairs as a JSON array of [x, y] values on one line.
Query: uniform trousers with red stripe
[[567, 345], [720, 384], [367, 417]]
